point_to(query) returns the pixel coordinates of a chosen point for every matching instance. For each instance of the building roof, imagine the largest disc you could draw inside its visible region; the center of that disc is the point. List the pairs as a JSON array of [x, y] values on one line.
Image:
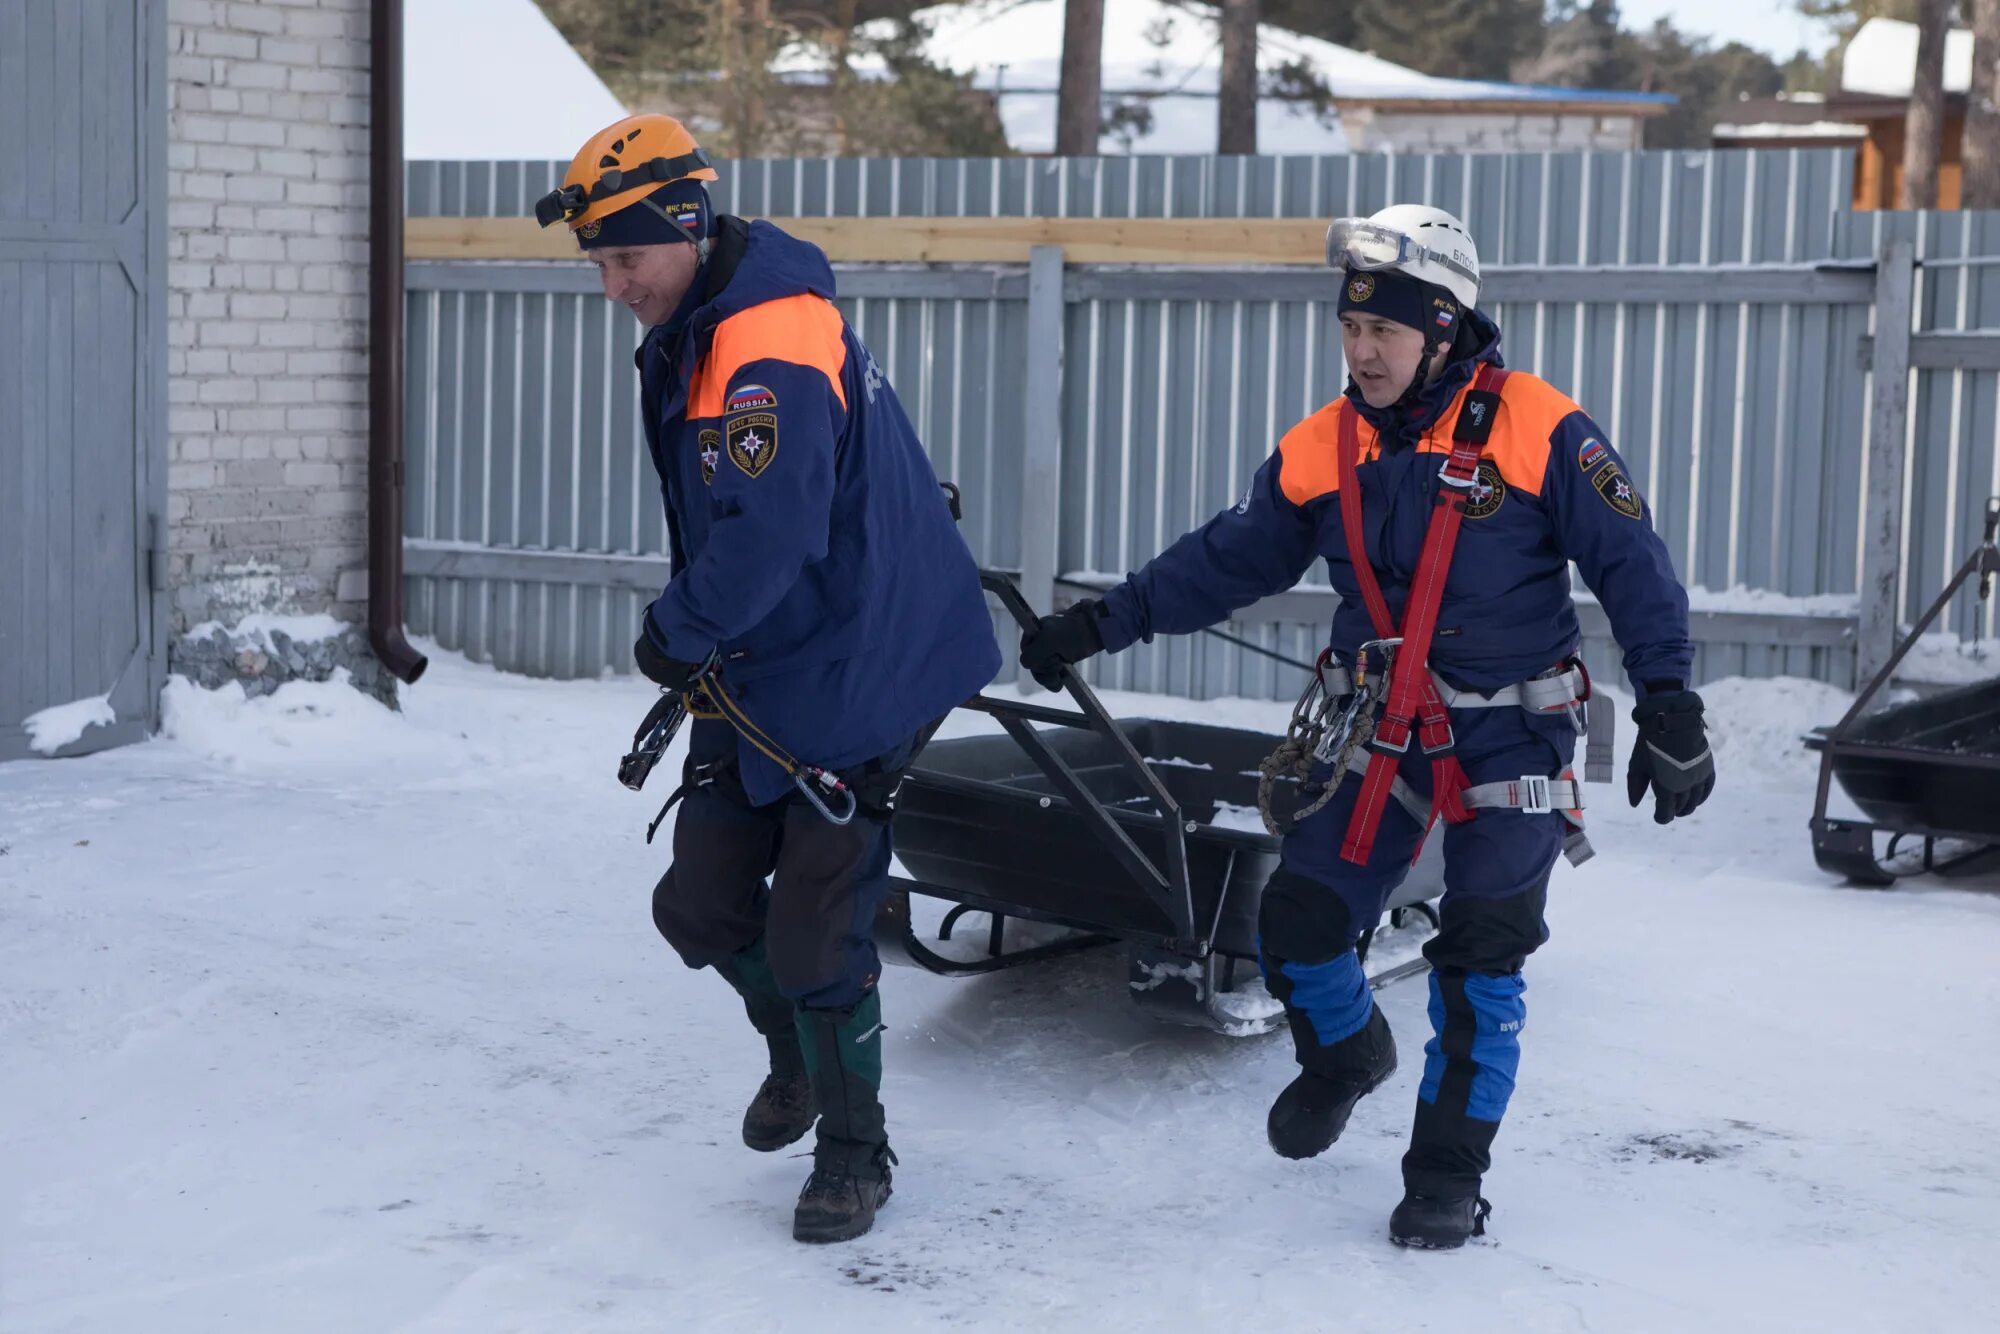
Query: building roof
[[1771, 131], [493, 79], [1790, 118], [1168, 55], [1882, 59]]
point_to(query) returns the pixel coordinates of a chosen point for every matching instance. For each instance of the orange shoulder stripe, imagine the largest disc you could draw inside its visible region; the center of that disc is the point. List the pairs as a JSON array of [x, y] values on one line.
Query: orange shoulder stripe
[[1530, 410], [1309, 465], [802, 329]]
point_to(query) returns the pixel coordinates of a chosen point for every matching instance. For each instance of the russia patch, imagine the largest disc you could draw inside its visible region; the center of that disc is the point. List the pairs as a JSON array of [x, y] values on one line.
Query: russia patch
[[752, 442], [1591, 454], [750, 398]]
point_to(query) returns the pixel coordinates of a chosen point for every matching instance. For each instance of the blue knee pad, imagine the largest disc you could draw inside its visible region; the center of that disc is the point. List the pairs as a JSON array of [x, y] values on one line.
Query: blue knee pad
[[1475, 1046], [1332, 995]]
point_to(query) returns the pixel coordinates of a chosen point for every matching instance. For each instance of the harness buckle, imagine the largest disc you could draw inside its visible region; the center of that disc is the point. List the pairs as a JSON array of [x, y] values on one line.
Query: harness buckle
[[1535, 797], [1456, 483]]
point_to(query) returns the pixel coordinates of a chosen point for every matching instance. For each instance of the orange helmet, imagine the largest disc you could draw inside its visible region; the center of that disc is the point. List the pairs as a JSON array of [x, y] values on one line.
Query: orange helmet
[[621, 165]]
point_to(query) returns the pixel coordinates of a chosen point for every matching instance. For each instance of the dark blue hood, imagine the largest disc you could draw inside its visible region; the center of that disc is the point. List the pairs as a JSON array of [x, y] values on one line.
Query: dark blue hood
[[749, 263], [769, 264], [1403, 423]]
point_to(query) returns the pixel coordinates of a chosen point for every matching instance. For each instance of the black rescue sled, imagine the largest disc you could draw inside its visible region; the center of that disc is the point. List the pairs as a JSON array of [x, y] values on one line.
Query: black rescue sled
[[1927, 770], [1109, 828]]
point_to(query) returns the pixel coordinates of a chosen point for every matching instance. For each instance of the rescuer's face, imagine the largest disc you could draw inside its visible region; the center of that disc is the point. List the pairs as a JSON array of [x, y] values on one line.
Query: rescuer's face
[[648, 280], [1382, 356]]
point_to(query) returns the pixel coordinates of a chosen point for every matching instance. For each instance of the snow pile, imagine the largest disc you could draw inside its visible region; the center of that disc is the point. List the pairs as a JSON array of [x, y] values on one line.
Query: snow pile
[[1942, 658], [1245, 819], [301, 723], [258, 627], [1742, 597], [64, 724], [1758, 728]]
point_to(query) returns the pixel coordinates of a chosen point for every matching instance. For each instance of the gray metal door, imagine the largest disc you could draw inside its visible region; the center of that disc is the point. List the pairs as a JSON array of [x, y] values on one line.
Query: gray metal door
[[83, 124]]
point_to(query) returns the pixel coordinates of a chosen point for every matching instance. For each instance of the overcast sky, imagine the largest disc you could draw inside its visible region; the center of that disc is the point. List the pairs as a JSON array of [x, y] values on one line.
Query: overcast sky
[[1768, 25]]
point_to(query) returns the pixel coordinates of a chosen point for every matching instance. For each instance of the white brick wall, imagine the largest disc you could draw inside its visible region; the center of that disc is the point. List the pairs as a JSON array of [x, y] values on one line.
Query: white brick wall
[[267, 302]]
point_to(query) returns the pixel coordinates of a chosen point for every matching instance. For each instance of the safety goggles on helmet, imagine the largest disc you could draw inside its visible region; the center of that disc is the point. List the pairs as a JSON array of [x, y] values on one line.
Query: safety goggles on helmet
[[570, 202], [1357, 243]]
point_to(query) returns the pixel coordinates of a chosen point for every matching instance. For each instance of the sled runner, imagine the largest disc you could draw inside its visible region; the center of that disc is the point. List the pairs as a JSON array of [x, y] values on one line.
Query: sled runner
[[1927, 771], [1143, 833]]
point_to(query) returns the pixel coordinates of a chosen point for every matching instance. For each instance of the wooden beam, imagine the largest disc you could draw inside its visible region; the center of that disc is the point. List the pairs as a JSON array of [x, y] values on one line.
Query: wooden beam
[[1244, 241]]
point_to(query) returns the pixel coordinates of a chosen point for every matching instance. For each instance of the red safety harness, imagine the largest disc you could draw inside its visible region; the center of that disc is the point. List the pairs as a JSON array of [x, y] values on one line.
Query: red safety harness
[[1413, 703]]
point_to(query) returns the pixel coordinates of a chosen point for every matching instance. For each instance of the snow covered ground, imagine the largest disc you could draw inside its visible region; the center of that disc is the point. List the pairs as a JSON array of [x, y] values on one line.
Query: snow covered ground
[[319, 1018]]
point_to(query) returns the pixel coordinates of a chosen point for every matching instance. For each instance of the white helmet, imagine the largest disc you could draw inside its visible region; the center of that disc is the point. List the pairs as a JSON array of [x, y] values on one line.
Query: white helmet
[[1426, 243]]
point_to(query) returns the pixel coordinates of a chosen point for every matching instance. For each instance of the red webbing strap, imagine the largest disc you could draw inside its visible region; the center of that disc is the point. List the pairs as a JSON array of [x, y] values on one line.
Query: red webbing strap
[[1348, 459], [1413, 696]]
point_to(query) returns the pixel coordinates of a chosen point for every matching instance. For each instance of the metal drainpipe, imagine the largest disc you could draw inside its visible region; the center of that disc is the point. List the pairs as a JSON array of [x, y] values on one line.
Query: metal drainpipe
[[385, 345]]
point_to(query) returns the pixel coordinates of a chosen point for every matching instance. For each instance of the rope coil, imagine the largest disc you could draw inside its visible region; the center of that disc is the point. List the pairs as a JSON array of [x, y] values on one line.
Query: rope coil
[[1324, 729]]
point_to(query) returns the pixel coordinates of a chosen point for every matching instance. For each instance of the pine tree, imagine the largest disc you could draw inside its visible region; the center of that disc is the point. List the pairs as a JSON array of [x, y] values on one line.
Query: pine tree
[[1461, 39]]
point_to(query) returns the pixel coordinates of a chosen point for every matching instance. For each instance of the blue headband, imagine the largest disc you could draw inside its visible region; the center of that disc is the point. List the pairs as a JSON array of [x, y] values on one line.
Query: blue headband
[[677, 211], [1389, 295]]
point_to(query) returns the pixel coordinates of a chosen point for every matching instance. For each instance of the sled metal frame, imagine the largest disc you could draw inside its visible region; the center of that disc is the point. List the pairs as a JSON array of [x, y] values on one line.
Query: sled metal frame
[[1847, 847], [1167, 886], [896, 937], [1195, 974]]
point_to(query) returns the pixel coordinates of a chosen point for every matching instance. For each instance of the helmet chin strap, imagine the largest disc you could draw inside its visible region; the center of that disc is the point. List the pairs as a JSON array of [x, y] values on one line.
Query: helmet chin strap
[[1427, 368]]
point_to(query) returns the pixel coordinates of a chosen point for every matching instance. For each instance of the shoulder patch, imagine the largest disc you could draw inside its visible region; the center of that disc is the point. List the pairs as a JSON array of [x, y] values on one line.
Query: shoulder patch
[[1591, 453], [753, 441], [1489, 492], [749, 398], [711, 454], [1618, 493]]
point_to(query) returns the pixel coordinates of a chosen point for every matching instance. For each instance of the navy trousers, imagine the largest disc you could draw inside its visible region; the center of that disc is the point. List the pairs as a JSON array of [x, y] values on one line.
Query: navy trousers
[[1496, 886], [780, 871]]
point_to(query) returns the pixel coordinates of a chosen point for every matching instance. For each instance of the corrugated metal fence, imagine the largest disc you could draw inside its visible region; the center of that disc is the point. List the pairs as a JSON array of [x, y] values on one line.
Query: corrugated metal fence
[[1694, 302]]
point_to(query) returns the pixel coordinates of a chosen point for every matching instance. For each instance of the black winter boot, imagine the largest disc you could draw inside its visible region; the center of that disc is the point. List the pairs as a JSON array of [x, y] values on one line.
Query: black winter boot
[[782, 1111], [850, 1177], [1434, 1223], [1310, 1113]]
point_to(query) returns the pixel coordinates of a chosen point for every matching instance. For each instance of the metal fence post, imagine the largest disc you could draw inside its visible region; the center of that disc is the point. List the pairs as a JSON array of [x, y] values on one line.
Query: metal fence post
[[1888, 434], [1041, 451]]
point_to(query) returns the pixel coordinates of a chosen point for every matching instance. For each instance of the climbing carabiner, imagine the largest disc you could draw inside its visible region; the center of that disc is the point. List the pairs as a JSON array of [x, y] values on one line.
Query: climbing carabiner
[[805, 779]]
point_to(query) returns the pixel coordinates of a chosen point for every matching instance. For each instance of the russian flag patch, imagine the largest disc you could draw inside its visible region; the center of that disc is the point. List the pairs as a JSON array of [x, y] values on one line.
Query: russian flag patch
[[1591, 454], [750, 398]]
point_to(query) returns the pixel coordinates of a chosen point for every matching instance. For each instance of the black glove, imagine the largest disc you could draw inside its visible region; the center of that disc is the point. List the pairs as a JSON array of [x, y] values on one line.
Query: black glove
[[666, 672], [1671, 755], [1062, 640]]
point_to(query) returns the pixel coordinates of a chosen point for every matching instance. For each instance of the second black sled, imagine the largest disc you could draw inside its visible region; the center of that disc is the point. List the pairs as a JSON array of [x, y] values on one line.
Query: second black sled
[[1926, 771]]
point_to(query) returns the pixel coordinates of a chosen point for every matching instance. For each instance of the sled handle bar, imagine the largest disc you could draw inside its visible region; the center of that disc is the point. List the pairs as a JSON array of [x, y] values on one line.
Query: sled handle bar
[[1169, 887]]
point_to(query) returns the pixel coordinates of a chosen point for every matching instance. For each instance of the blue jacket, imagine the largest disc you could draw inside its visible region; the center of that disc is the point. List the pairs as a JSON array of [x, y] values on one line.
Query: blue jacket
[[1552, 491], [811, 544]]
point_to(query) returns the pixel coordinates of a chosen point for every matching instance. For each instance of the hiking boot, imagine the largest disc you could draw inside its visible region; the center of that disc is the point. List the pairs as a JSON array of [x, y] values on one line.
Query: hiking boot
[[839, 1204], [782, 1111], [1310, 1113], [851, 1158], [1434, 1223]]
